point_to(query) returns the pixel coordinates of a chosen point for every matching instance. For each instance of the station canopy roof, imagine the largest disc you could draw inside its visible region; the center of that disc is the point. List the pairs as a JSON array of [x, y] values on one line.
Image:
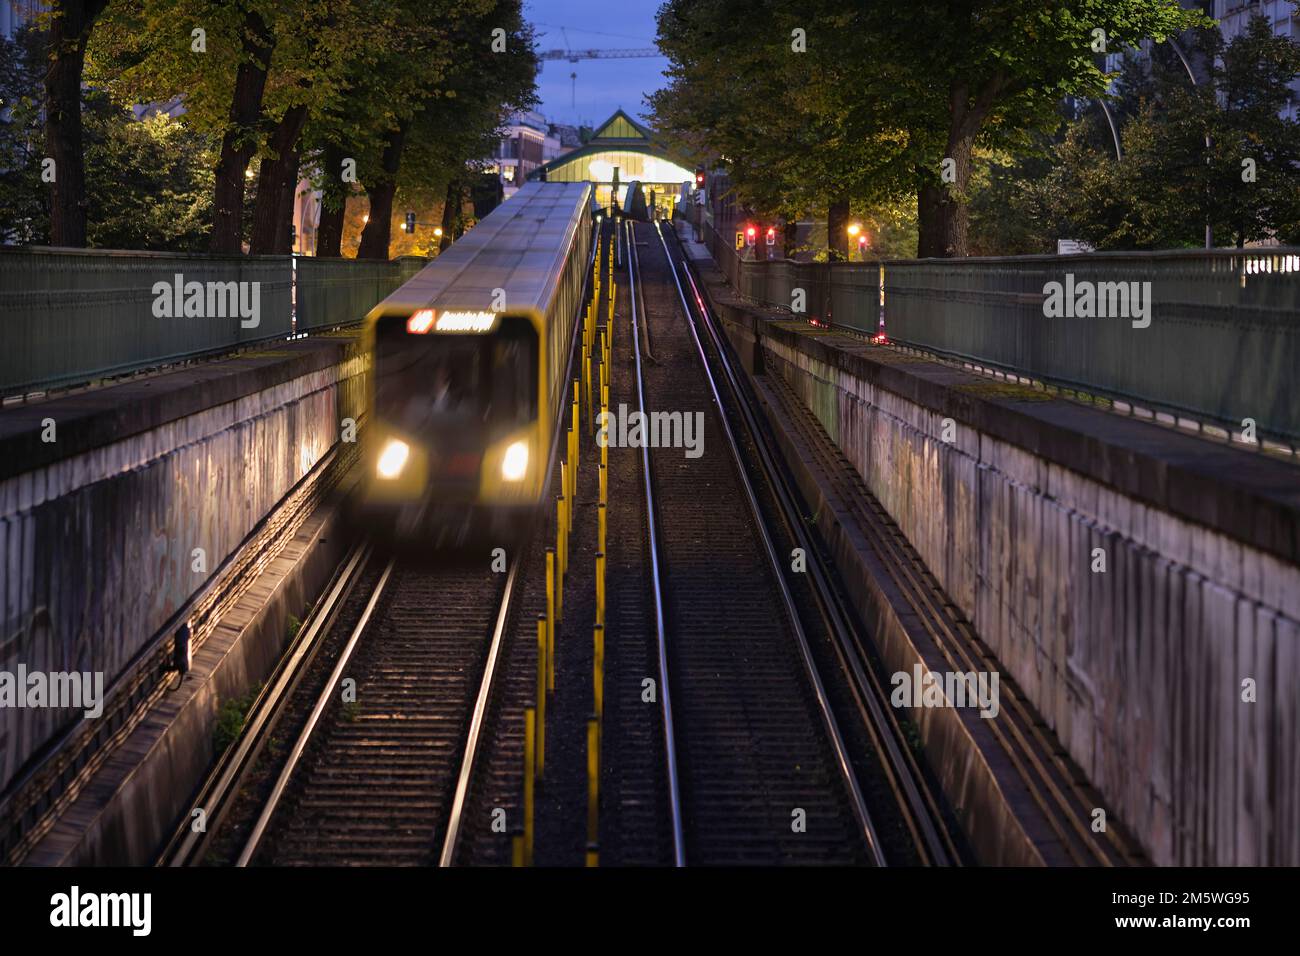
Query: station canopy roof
[[619, 142]]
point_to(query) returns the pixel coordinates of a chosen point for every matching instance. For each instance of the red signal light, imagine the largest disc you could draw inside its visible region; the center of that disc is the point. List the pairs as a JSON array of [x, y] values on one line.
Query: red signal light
[[699, 178], [751, 232]]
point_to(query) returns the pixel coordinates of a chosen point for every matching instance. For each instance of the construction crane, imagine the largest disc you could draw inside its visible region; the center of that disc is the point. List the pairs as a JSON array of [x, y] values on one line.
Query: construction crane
[[573, 56]]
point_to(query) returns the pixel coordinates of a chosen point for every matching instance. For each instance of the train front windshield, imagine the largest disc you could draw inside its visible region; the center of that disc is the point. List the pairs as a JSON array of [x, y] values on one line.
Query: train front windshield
[[426, 383]]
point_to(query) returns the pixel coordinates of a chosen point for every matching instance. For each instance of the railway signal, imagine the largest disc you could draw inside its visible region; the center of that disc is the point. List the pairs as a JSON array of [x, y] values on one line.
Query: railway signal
[[410, 223]]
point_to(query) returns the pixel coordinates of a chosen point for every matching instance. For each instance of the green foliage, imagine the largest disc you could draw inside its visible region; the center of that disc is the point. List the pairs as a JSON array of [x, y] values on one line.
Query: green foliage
[[230, 719], [361, 69], [149, 182], [24, 199], [882, 94], [1168, 184]]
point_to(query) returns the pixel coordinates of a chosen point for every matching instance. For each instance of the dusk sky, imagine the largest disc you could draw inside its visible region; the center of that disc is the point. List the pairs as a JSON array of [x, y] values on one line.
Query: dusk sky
[[602, 86]]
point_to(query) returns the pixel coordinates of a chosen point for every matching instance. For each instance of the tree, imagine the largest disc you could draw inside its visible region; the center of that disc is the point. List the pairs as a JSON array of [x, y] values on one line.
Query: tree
[[248, 73], [454, 121], [70, 24], [24, 199], [885, 102], [148, 182], [1168, 186]]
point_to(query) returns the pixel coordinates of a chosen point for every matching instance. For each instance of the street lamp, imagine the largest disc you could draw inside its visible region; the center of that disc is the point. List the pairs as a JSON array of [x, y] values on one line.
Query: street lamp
[[853, 229]]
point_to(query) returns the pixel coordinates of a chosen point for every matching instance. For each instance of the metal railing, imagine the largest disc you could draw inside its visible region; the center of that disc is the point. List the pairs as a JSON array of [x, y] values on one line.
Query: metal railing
[[1214, 336], [335, 292], [75, 315]]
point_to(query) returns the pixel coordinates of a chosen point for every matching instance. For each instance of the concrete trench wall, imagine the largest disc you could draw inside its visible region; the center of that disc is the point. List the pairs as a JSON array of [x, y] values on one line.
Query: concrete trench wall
[[1138, 670], [98, 547]]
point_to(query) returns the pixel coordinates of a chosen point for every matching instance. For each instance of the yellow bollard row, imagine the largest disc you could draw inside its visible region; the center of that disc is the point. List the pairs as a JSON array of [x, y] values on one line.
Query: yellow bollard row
[[557, 566]]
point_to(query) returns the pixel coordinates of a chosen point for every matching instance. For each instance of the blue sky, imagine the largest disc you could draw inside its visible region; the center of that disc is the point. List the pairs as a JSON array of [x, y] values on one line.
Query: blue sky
[[602, 86]]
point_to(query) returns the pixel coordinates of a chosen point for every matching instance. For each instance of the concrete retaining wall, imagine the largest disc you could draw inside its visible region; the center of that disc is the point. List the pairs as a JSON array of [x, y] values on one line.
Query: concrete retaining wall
[[1139, 670], [98, 534]]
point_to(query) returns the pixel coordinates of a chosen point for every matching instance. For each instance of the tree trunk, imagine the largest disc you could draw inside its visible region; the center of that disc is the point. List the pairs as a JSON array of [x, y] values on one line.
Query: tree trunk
[[334, 199], [451, 214], [789, 238], [272, 215], [943, 216], [240, 139], [837, 236], [285, 236], [69, 32], [378, 232]]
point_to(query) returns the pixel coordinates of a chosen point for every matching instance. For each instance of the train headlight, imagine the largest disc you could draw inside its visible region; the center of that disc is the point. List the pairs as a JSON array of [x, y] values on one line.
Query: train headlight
[[515, 462], [393, 459]]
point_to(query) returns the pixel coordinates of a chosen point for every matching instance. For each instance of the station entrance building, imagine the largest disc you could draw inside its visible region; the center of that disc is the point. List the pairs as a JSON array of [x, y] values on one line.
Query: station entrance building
[[622, 145]]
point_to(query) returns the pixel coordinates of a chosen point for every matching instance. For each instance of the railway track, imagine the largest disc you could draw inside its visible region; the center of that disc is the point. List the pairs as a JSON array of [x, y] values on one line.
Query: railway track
[[766, 775], [378, 769], [1056, 786]]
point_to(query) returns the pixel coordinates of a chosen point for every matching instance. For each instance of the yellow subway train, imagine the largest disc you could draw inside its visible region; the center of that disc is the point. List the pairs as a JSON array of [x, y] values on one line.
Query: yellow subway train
[[467, 371]]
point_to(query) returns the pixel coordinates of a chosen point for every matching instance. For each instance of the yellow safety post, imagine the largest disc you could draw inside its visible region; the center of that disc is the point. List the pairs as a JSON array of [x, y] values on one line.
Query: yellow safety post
[[560, 555], [604, 449], [604, 365], [530, 768], [550, 618], [604, 497], [573, 476], [598, 673], [593, 791], [566, 475], [516, 849], [600, 524], [576, 425], [543, 670], [600, 589]]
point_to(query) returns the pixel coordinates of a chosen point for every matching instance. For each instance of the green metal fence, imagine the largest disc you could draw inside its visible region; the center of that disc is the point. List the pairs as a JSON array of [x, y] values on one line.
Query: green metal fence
[[334, 292], [1213, 334], [73, 315]]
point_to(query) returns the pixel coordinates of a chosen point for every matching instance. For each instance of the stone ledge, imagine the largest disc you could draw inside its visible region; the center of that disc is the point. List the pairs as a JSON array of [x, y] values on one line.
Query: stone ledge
[[97, 417], [1244, 495]]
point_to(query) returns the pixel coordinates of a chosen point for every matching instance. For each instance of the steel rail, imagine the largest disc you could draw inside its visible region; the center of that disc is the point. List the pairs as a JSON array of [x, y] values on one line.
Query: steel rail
[[670, 748], [323, 701], [860, 810], [921, 809], [187, 846], [1031, 754]]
